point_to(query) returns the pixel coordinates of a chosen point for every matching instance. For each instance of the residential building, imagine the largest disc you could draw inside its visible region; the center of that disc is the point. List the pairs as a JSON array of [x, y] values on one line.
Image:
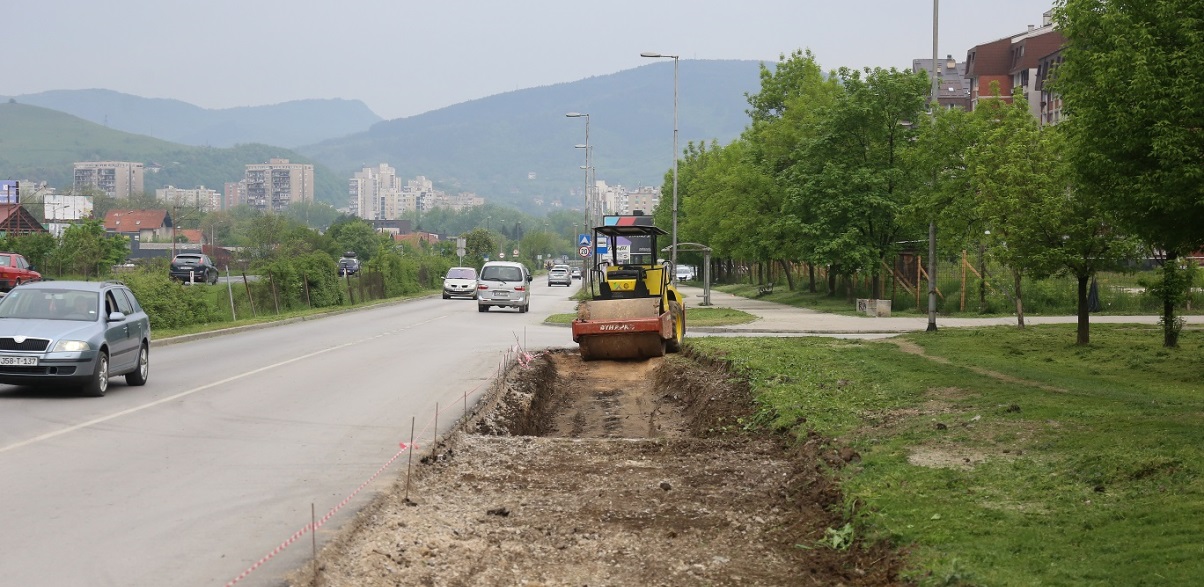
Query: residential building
[[140, 225], [375, 193], [275, 185], [642, 198], [1013, 62], [200, 198], [118, 179], [1051, 103], [234, 194], [953, 89]]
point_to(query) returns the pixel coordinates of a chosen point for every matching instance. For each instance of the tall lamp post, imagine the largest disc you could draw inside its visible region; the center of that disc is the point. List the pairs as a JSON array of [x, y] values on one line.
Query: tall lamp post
[[585, 277], [932, 223], [675, 58]]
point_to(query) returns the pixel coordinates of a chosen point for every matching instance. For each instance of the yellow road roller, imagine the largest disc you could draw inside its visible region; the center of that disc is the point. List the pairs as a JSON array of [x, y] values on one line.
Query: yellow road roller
[[634, 312]]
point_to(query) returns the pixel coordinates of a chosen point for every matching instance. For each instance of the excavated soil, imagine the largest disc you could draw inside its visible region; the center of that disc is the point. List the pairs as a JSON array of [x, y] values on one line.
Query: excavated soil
[[610, 473]]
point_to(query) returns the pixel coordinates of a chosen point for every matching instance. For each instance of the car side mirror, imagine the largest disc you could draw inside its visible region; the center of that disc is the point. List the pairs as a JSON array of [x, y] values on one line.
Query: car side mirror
[[116, 316]]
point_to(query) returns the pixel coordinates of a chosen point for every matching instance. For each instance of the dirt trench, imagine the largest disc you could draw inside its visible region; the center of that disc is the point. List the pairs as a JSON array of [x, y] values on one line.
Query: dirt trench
[[609, 473]]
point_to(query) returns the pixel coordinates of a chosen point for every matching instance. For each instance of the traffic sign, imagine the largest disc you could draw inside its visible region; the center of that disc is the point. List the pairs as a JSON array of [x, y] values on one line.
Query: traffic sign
[[603, 246], [583, 240], [584, 252]]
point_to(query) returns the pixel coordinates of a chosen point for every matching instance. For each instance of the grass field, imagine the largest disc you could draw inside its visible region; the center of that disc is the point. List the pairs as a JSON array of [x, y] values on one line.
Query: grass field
[[1001, 456]]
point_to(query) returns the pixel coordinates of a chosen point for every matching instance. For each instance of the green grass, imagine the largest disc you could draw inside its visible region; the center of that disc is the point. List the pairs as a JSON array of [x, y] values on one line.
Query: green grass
[[1120, 294], [1023, 460]]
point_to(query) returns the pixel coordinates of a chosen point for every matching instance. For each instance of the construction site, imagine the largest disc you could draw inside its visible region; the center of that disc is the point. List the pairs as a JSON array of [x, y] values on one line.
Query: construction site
[[575, 472]]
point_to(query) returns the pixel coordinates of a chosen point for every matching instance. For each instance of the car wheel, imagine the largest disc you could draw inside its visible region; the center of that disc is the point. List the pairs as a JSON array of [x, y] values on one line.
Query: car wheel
[[525, 308], [213, 280], [99, 383], [445, 296], [482, 308], [138, 376]]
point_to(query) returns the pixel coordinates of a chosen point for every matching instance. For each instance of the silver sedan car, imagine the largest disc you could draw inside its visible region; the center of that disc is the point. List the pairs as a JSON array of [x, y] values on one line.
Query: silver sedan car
[[73, 333]]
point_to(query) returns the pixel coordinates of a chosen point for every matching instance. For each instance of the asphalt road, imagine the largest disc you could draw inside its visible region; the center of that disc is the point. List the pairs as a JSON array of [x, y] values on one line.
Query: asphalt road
[[236, 439]]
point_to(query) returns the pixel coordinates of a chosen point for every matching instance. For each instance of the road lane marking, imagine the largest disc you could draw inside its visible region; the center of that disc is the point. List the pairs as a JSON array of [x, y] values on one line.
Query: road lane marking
[[115, 415]]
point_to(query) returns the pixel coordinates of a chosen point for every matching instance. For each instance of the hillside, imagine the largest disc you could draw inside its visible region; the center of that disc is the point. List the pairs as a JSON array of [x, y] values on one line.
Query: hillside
[[510, 148], [299, 122], [490, 145], [38, 144]]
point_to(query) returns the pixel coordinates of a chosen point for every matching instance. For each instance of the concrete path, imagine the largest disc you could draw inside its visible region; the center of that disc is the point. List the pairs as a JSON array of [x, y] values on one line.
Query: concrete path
[[775, 318]]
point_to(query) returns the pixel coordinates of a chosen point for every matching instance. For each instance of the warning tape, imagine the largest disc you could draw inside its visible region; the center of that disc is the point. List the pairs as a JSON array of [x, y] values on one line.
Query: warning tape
[[522, 357]]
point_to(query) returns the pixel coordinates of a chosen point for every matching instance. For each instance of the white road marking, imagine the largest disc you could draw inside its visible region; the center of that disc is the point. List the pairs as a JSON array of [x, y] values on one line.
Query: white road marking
[[114, 416]]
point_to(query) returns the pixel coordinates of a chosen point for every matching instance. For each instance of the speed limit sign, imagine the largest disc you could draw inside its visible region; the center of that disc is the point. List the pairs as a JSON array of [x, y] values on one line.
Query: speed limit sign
[[583, 251]]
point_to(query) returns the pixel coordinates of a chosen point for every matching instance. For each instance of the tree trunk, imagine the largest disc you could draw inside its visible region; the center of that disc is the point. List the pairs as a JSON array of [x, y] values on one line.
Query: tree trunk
[[1019, 301], [982, 278], [1170, 328], [832, 280], [788, 273], [811, 277], [876, 284], [1084, 332]]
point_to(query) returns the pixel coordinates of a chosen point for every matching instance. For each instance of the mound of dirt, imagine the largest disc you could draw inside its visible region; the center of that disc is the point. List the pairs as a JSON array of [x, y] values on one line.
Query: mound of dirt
[[609, 473]]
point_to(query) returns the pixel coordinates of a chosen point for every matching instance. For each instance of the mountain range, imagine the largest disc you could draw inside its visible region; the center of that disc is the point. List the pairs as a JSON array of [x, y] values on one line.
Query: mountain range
[[515, 148]]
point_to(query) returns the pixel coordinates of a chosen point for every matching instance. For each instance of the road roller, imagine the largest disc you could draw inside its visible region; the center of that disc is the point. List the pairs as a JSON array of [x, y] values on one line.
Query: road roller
[[634, 311]]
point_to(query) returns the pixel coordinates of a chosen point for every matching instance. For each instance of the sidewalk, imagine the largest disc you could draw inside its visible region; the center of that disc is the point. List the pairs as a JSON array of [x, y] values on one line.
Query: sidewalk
[[782, 319]]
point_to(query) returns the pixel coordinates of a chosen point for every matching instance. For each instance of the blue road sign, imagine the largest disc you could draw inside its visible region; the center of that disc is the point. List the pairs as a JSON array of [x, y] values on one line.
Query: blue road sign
[[583, 240]]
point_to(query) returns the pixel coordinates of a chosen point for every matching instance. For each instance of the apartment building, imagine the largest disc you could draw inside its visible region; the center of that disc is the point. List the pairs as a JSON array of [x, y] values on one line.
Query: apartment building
[[118, 179], [277, 184], [1051, 103], [200, 198], [953, 89], [374, 193], [234, 193], [642, 198], [1014, 62]]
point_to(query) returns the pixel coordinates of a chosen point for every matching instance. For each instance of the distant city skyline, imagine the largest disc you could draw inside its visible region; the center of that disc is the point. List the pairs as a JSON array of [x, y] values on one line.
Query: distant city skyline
[[404, 58]]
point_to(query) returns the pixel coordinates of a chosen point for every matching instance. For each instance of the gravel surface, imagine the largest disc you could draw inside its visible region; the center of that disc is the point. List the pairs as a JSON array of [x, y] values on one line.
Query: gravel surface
[[609, 473]]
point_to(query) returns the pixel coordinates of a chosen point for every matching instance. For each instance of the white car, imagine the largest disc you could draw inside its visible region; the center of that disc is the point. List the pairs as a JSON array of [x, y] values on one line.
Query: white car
[[460, 282], [559, 275], [685, 273], [504, 284]]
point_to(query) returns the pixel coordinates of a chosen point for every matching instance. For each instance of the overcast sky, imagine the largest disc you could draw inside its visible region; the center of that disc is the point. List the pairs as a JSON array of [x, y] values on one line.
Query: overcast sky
[[402, 57]]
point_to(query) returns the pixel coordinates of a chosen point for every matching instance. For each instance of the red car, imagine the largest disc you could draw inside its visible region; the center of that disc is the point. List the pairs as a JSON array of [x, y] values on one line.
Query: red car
[[15, 270]]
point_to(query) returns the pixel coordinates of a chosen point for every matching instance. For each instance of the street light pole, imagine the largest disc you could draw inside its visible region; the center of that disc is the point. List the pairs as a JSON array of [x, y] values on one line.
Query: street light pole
[[585, 277], [932, 222], [673, 253]]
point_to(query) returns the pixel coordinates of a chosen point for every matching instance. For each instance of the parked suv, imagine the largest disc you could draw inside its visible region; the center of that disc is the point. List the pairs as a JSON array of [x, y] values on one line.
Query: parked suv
[[193, 268], [504, 284], [349, 264], [77, 333]]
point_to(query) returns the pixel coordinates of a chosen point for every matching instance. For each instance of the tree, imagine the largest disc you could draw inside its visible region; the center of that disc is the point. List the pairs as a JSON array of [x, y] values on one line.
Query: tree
[[1130, 86], [853, 185], [1040, 225], [85, 249]]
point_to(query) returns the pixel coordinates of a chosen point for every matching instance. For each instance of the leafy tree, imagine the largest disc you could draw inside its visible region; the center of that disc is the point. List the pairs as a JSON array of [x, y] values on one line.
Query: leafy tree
[[37, 248], [354, 234], [853, 185], [1039, 224], [1130, 86], [85, 249]]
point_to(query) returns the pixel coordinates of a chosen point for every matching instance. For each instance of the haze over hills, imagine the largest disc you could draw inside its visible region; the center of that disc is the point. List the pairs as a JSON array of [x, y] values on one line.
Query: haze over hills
[[511, 148], [290, 124], [39, 144], [491, 145]]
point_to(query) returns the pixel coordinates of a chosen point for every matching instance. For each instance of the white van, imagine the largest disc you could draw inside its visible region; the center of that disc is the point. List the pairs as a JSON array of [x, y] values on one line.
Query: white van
[[504, 284]]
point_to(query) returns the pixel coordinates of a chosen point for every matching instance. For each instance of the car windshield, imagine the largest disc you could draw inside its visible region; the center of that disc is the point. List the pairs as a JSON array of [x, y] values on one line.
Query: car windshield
[[461, 273], [502, 273], [50, 304]]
